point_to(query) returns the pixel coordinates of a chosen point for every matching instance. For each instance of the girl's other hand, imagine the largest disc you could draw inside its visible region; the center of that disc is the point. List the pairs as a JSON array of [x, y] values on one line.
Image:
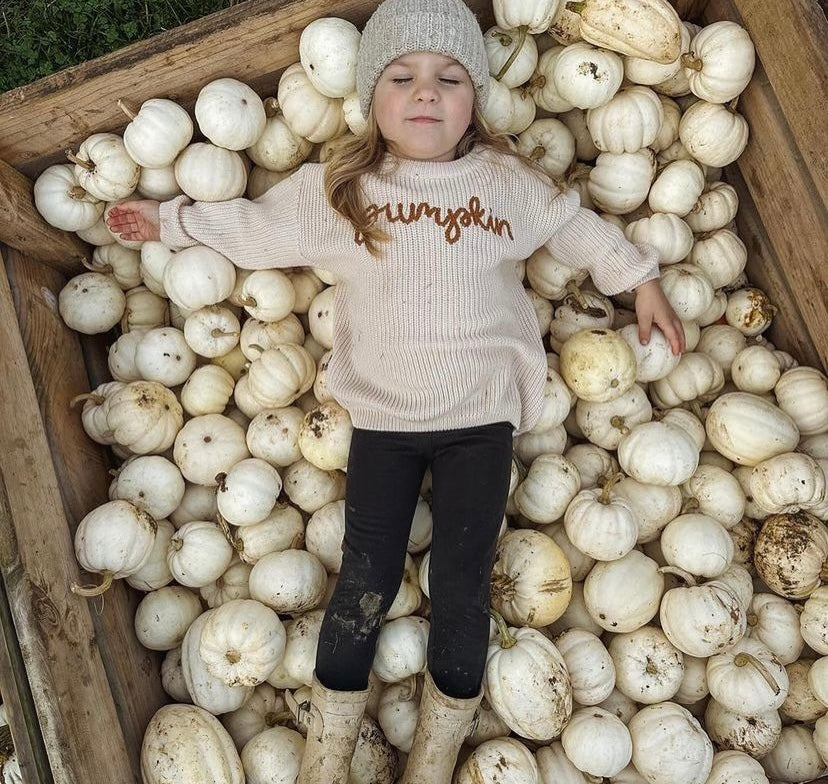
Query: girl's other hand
[[135, 220], [653, 307]]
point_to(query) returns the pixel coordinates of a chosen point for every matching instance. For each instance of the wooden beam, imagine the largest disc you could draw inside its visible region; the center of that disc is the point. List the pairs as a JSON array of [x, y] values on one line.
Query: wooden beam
[[56, 362], [22, 227], [57, 636]]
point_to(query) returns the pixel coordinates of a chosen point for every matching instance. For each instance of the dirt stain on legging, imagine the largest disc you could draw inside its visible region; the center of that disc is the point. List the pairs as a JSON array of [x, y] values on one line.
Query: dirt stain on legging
[[371, 606]]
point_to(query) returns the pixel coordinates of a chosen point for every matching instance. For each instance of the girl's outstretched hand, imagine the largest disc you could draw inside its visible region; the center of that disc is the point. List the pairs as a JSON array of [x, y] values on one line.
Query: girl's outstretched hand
[[135, 220], [652, 307]]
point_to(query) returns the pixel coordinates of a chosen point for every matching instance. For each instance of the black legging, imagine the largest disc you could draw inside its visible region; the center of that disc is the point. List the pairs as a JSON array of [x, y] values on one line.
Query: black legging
[[470, 482]]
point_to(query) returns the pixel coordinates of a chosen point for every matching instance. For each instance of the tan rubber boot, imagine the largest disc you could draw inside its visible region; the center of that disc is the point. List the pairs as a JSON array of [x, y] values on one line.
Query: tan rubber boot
[[442, 726], [333, 719]]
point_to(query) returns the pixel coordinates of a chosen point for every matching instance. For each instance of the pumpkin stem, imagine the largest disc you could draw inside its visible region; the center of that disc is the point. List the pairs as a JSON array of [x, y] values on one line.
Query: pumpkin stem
[[88, 165], [537, 153], [576, 8], [618, 423], [77, 192], [225, 527], [537, 83], [689, 505], [93, 590], [216, 332], [521, 468], [125, 109], [733, 104], [695, 407], [87, 396], [686, 576], [581, 302], [689, 61], [742, 658], [606, 490], [106, 269], [752, 619], [515, 52], [247, 301], [506, 639], [256, 347], [271, 106]]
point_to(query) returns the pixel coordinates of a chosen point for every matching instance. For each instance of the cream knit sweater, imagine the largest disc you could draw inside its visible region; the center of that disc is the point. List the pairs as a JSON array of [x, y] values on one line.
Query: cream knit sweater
[[439, 332]]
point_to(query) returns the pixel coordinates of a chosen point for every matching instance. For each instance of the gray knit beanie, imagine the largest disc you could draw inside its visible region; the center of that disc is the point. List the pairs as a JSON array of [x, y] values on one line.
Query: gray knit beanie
[[398, 27]]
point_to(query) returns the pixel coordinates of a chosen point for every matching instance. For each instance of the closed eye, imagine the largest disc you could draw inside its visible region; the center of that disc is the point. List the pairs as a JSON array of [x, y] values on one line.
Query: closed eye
[[401, 79], [446, 80]]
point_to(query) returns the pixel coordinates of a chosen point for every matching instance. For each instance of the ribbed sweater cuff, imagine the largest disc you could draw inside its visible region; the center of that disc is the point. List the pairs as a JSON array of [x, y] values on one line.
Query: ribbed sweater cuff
[[173, 234]]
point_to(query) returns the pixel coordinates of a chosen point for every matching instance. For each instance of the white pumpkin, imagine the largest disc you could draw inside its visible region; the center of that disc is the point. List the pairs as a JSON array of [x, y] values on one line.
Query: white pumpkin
[[802, 393], [328, 53], [597, 742], [115, 539], [648, 668], [144, 416], [310, 488], [753, 735], [159, 184], [512, 55], [325, 436], [775, 622], [714, 209], [530, 582], [658, 453], [713, 134], [401, 647], [185, 741], [207, 446], [587, 76], [795, 757], [144, 310], [308, 112], [157, 132], [720, 61], [282, 529], [644, 28], [702, 619], [207, 172], [164, 615], [611, 605], [747, 678], [551, 483], [527, 683], [755, 369], [273, 435], [494, 758], [669, 745], [62, 202], [790, 554], [620, 182], [247, 491], [289, 581], [717, 494], [534, 15], [278, 376], [151, 483], [666, 232], [91, 303], [600, 523], [198, 553], [732, 766], [589, 663], [198, 276], [627, 122], [230, 114], [814, 620], [721, 256], [677, 188], [787, 483], [231, 585], [698, 544], [206, 690], [104, 168], [120, 262], [747, 429]]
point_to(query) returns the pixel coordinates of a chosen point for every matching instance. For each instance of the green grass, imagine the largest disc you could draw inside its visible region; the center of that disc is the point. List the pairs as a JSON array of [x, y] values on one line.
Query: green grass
[[39, 37]]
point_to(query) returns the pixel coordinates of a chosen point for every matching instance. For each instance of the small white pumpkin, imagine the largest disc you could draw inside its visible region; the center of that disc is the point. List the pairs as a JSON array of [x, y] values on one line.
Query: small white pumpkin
[[747, 678], [713, 134], [587, 76], [755, 369], [658, 453], [289, 581], [207, 391], [731, 766], [144, 416], [62, 202], [670, 745], [795, 757], [716, 493], [198, 553], [677, 188], [551, 483], [530, 582], [589, 663], [597, 742], [492, 758], [310, 488], [401, 647], [534, 15], [325, 436], [787, 483], [775, 622], [207, 172], [328, 53], [620, 182], [814, 620], [104, 168], [308, 112], [247, 491], [157, 132], [230, 114], [802, 393], [164, 615], [207, 446], [627, 122], [527, 683], [698, 544], [598, 364], [281, 530], [753, 735], [720, 61], [512, 55], [714, 209], [151, 483], [163, 355], [667, 232], [198, 276], [91, 303], [721, 255], [648, 668]]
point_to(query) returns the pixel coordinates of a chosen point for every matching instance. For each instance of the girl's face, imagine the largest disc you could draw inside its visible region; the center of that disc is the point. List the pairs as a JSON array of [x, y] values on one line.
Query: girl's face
[[423, 105]]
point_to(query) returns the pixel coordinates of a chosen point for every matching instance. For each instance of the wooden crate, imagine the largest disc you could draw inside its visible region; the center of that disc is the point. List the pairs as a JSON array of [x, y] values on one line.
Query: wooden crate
[[78, 686]]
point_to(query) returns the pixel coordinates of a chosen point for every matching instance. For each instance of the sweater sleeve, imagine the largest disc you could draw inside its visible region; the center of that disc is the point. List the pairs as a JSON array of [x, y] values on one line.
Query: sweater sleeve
[[258, 234], [585, 241]]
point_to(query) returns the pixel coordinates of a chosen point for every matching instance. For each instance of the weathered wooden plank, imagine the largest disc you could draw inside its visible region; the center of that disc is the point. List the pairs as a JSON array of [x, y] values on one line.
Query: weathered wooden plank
[[74, 703], [14, 686], [56, 361], [21, 226], [791, 46], [788, 330], [252, 41]]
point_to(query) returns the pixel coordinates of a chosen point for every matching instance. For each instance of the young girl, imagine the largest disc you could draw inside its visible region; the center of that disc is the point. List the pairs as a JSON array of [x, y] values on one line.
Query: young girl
[[437, 354]]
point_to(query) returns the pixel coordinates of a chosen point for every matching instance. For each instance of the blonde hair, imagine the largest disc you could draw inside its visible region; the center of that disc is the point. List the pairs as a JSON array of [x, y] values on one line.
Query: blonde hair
[[364, 154]]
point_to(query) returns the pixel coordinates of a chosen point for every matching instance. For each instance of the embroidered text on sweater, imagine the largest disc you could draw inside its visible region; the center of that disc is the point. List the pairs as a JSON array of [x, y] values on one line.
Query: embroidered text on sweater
[[454, 220]]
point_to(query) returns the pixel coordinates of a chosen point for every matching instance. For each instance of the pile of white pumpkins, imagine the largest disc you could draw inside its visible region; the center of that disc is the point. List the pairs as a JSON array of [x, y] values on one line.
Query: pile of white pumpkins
[[659, 580]]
